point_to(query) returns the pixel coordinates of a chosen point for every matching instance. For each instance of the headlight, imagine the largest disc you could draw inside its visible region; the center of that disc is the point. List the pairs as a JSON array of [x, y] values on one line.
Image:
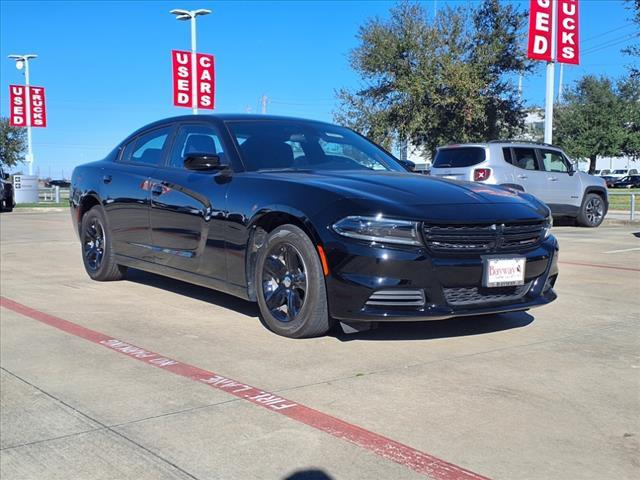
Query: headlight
[[379, 229], [548, 223]]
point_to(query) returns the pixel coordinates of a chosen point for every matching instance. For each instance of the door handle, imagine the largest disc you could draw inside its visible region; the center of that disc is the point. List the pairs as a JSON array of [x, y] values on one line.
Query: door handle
[[157, 189], [553, 179], [522, 176], [107, 178]]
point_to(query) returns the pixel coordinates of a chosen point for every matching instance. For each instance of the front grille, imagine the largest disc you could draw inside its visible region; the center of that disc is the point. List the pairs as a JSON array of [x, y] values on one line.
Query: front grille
[[482, 238], [397, 298], [457, 297]]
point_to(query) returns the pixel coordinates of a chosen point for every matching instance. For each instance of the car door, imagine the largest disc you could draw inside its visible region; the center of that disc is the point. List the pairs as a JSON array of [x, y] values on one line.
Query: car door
[[125, 192], [187, 212], [564, 186], [527, 172]]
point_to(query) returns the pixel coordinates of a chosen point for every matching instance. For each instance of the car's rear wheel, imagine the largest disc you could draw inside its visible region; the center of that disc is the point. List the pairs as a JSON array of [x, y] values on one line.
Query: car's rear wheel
[[97, 249], [592, 211], [290, 285]]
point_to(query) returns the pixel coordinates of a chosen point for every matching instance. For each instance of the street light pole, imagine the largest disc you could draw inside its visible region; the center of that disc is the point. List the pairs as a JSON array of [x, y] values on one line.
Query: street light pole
[[191, 15], [551, 66], [23, 61]]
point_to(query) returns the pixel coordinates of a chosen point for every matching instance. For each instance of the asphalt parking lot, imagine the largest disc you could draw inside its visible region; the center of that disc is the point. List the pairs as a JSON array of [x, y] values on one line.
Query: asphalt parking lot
[[550, 393]]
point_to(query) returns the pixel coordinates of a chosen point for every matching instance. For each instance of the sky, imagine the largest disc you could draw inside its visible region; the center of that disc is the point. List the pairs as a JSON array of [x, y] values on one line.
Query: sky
[[106, 65]]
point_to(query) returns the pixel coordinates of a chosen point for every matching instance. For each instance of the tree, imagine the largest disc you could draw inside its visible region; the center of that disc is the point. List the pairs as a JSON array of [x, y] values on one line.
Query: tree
[[434, 82], [594, 120], [13, 143], [634, 50]]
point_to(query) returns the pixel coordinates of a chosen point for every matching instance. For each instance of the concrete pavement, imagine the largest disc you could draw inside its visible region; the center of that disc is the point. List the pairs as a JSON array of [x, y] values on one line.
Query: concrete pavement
[[554, 392]]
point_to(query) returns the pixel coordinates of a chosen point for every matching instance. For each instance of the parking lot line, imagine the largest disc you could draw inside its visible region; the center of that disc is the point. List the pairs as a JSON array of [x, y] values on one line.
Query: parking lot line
[[597, 265], [402, 454], [624, 250]]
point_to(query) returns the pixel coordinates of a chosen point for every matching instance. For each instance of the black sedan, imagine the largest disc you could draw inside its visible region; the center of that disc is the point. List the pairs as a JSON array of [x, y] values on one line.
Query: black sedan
[[310, 220], [630, 181]]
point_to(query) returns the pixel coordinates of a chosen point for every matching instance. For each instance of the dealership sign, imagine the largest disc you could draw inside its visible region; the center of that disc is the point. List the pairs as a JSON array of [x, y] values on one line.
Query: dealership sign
[[193, 87], [567, 38], [27, 106], [542, 20]]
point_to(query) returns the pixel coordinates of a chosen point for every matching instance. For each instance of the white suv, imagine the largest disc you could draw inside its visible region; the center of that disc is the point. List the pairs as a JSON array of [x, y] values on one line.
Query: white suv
[[540, 169]]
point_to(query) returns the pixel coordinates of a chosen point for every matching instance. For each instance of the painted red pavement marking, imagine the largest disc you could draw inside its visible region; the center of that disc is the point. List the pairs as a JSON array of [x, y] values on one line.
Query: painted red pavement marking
[[596, 265], [385, 447]]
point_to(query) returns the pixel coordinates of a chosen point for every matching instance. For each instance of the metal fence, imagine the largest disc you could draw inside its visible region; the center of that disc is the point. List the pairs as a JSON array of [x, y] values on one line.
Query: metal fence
[[632, 208], [52, 194]]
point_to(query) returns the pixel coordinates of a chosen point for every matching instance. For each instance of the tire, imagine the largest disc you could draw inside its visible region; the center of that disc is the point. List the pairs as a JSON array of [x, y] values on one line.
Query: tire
[[592, 211], [97, 249], [291, 291]]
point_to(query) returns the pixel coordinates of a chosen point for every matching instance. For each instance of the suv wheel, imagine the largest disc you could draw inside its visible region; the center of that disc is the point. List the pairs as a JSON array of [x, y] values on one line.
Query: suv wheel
[[592, 211], [290, 285], [97, 250]]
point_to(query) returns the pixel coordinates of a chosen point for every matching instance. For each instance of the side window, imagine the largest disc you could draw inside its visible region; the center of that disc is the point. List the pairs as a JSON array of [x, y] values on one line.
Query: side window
[[148, 147], [553, 161], [126, 152], [524, 158], [196, 139], [506, 153]]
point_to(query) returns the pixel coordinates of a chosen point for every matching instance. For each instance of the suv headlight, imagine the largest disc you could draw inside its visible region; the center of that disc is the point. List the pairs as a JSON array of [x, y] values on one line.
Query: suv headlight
[[379, 229], [548, 223]]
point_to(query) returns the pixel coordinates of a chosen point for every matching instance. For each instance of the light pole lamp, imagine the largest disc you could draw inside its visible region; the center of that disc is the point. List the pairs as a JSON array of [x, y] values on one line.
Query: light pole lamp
[[185, 15], [22, 62]]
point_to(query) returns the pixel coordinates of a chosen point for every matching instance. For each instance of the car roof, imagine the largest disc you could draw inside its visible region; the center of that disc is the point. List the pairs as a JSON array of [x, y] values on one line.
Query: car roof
[[512, 143], [222, 117]]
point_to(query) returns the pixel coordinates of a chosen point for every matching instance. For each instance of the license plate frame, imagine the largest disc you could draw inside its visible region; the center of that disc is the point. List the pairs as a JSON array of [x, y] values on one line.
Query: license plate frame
[[503, 278]]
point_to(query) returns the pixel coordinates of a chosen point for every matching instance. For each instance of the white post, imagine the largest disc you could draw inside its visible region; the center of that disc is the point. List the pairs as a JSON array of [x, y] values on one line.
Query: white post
[[57, 194], [560, 82], [194, 69], [548, 102], [520, 75], [28, 116]]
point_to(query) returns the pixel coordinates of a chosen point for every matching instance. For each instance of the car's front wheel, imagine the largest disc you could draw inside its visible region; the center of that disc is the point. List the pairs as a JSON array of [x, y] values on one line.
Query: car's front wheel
[[592, 211], [290, 285], [97, 249]]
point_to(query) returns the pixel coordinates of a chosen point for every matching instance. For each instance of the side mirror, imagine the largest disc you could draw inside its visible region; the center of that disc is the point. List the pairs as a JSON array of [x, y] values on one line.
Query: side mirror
[[202, 162], [572, 168], [407, 165], [5, 176]]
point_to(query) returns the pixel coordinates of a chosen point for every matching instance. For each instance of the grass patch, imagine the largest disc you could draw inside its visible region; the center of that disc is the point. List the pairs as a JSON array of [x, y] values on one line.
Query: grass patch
[[42, 205], [623, 202]]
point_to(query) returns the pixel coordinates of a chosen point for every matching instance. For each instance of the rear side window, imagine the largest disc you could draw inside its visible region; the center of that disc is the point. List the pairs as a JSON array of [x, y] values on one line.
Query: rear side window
[[506, 153], [459, 157], [147, 148], [525, 158]]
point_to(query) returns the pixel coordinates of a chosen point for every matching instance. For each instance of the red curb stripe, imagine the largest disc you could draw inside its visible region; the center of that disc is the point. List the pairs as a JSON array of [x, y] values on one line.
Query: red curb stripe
[[385, 447], [595, 265]]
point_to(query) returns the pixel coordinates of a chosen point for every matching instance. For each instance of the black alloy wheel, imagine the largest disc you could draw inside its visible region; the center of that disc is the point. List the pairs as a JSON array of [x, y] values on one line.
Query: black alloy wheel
[[290, 285], [97, 250]]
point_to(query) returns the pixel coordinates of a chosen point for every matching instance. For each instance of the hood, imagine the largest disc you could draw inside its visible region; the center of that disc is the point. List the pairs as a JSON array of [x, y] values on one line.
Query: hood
[[402, 188]]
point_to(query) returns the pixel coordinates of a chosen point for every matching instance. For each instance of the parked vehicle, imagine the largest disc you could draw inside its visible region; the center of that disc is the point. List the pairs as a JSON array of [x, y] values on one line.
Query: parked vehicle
[[7, 194], [540, 169], [602, 173], [623, 172], [630, 181], [610, 180], [59, 183], [311, 221]]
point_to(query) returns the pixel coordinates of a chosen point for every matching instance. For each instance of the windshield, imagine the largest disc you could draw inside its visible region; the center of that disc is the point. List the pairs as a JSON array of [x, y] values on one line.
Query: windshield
[[620, 172], [459, 157], [290, 145]]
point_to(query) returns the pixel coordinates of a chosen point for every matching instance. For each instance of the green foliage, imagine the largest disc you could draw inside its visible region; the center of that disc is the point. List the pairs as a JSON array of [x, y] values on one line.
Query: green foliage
[[599, 118], [634, 50], [437, 81], [13, 143]]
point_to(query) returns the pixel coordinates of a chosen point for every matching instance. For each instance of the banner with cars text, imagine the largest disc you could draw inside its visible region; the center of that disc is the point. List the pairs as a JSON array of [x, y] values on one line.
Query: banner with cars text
[[27, 107], [187, 82]]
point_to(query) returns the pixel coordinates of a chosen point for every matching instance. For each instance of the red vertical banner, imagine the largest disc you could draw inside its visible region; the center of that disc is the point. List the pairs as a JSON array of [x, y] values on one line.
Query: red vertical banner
[[182, 78], [540, 30], [38, 109], [17, 106], [205, 73], [568, 32]]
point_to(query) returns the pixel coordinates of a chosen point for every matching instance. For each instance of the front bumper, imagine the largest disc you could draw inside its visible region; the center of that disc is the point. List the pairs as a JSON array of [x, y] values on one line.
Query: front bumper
[[359, 270]]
